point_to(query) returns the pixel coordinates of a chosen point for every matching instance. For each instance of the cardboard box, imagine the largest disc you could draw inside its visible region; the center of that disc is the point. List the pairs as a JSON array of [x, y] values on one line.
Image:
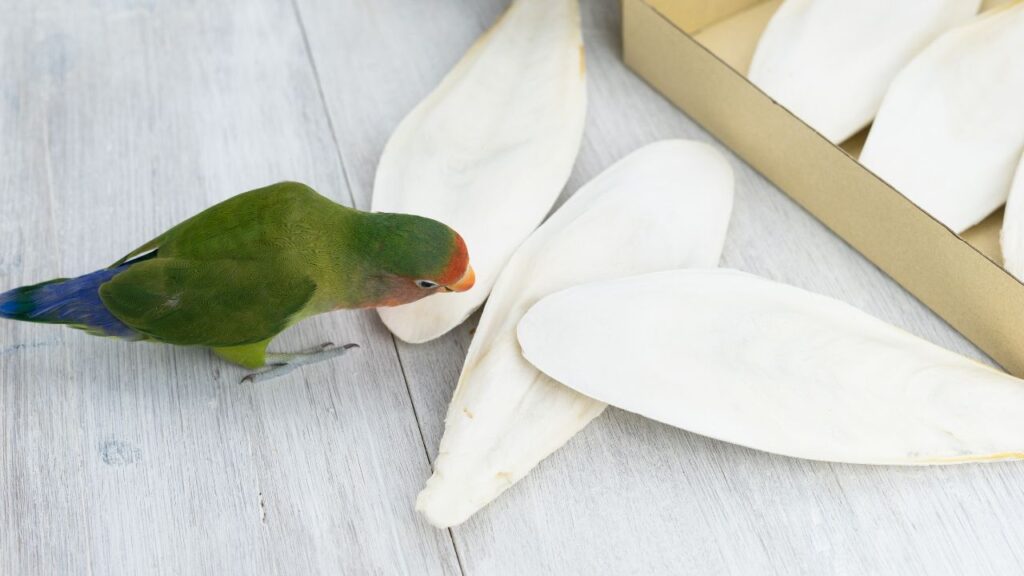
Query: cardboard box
[[696, 52]]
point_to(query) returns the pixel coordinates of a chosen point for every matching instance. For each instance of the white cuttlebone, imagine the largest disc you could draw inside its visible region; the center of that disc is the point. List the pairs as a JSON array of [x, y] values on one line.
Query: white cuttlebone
[[746, 360], [830, 61], [951, 127], [1011, 237], [664, 206], [489, 150]]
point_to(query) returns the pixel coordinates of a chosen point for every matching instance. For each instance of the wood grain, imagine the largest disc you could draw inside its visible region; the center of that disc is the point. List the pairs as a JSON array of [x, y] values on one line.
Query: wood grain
[[118, 119]]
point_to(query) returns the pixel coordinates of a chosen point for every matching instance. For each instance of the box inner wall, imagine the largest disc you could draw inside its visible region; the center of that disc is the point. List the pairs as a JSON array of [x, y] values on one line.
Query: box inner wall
[[731, 31]]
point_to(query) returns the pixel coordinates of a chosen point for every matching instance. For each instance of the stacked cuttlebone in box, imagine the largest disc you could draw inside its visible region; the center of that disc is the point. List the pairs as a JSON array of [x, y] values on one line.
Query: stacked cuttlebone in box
[[698, 52]]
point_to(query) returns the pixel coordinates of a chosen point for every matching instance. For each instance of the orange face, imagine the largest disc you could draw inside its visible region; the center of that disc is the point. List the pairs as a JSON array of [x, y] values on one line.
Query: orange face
[[459, 275]]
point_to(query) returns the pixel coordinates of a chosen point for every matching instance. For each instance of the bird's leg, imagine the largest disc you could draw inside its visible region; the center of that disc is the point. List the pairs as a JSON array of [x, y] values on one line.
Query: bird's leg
[[279, 364]]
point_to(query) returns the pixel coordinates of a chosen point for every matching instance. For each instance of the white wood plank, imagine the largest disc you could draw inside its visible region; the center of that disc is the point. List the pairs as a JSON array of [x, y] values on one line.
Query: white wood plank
[[39, 392], [628, 495], [116, 121]]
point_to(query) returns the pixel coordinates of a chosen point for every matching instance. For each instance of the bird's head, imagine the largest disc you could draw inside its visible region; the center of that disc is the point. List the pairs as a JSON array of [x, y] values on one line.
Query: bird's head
[[415, 257]]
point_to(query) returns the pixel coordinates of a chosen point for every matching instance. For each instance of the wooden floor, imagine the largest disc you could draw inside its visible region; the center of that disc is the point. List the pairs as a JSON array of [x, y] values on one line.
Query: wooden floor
[[119, 118]]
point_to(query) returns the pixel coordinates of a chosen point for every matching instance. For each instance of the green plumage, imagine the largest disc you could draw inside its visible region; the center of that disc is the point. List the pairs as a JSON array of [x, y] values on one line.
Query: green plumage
[[209, 302], [237, 274]]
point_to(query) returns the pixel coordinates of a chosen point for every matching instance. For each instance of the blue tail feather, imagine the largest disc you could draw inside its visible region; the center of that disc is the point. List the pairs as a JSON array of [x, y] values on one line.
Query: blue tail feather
[[73, 301]]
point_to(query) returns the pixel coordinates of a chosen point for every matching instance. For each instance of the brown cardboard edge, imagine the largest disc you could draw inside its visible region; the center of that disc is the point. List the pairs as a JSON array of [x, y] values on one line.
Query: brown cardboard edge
[[971, 292], [693, 15]]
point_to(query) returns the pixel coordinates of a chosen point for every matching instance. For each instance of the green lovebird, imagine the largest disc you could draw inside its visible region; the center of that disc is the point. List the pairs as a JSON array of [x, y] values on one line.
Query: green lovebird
[[236, 275]]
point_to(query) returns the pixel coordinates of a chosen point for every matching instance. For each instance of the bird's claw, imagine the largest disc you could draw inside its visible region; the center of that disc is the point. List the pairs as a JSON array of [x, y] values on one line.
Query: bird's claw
[[280, 364]]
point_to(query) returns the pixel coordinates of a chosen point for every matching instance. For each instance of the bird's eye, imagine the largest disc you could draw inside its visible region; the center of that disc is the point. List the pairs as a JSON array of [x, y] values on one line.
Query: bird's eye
[[426, 284]]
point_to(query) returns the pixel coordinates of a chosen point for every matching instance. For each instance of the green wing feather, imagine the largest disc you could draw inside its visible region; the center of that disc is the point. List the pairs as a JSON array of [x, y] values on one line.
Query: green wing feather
[[207, 303], [236, 273], [250, 226]]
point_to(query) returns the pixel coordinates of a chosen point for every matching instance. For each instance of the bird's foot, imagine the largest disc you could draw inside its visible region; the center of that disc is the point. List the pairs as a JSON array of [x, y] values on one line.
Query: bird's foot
[[279, 364]]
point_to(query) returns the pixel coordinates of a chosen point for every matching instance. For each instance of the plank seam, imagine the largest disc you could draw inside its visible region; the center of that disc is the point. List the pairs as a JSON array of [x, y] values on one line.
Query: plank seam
[[351, 194], [423, 440], [323, 101]]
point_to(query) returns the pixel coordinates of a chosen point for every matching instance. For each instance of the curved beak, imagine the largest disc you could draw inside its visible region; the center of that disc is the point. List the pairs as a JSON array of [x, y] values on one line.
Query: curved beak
[[464, 283]]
